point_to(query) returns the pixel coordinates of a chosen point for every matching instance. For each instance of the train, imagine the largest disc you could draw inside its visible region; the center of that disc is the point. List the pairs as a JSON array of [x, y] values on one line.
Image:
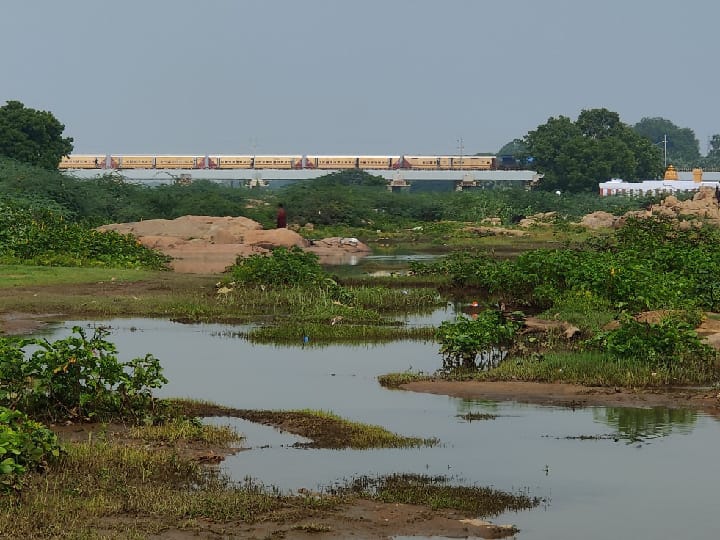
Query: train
[[408, 162]]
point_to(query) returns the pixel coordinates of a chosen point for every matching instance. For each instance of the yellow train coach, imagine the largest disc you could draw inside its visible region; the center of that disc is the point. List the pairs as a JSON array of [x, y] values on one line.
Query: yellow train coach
[[423, 162], [132, 162], [76, 161], [230, 162], [378, 162], [331, 162], [277, 162], [474, 163], [177, 162]]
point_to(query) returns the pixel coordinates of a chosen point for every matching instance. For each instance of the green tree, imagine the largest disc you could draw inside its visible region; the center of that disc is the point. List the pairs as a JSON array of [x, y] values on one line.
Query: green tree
[[575, 156], [683, 148], [32, 136], [713, 157]]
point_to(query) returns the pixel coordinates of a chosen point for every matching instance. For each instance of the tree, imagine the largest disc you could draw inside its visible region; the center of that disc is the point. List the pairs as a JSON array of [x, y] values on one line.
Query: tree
[[713, 157], [576, 156], [32, 136], [683, 148]]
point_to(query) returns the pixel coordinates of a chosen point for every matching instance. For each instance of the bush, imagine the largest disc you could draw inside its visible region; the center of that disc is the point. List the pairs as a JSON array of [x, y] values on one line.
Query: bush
[[283, 267], [671, 344], [25, 445], [77, 377], [462, 340], [38, 236]]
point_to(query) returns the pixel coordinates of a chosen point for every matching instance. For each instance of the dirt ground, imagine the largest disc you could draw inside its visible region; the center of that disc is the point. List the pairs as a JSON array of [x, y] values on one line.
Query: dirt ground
[[573, 396]]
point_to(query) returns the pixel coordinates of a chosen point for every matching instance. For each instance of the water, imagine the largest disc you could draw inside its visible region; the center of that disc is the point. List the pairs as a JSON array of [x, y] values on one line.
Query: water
[[624, 473]]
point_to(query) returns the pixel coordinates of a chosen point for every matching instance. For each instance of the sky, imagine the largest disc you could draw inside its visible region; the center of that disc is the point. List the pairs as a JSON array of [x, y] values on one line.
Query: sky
[[370, 77]]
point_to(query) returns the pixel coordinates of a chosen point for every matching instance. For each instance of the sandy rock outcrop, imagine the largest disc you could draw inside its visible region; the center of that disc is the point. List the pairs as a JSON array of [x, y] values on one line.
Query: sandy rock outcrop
[[207, 244], [703, 205], [598, 220]]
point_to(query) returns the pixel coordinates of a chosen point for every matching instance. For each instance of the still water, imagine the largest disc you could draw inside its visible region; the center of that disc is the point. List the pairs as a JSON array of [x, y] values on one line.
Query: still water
[[605, 472]]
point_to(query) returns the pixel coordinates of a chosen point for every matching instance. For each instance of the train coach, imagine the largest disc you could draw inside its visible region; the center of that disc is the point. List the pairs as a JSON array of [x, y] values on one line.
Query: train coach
[[78, 161], [410, 162], [352, 162]]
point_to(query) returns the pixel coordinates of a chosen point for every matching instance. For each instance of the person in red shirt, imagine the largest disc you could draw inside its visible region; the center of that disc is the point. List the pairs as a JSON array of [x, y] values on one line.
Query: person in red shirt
[[281, 217]]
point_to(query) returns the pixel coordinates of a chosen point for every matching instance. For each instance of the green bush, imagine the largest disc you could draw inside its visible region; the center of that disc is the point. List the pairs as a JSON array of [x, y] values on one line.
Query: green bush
[[282, 267], [77, 377], [671, 344], [25, 445], [489, 336], [38, 236]]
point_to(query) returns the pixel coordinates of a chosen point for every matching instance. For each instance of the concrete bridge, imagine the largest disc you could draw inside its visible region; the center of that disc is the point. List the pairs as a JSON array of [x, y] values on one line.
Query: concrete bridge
[[397, 179]]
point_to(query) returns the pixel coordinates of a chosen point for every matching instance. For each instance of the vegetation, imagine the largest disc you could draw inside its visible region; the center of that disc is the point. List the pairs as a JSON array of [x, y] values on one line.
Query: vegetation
[[649, 264], [40, 237], [489, 336], [99, 483], [32, 136], [683, 148], [435, 492], [327, 430], [575, 156], [77, 378], [25, 446]]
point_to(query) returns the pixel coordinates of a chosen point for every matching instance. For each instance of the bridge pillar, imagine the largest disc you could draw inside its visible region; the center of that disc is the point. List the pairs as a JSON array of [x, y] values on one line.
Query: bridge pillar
[[256, 182], [398, 183], [468, 181]]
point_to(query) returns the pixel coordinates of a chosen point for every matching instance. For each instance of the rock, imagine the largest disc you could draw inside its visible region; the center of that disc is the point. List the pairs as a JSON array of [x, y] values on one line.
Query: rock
[[598, 220], [207, 244]]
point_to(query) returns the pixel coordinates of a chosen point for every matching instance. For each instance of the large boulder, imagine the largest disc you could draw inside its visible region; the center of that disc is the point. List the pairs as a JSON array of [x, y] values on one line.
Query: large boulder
[[207, 244]]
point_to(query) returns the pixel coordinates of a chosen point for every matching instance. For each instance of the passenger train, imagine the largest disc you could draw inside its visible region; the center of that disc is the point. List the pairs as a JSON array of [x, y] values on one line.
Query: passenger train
[[416, 162]]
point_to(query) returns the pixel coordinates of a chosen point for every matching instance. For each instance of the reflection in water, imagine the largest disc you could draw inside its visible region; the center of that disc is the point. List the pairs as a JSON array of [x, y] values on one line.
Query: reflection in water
[[639, 424]]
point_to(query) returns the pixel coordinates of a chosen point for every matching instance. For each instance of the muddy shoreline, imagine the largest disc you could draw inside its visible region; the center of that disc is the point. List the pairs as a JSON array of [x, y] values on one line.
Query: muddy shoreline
[[573, 395]]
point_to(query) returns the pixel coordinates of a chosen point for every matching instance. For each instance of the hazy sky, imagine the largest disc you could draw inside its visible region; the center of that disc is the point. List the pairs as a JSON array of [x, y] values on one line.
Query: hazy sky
[[360, 77]]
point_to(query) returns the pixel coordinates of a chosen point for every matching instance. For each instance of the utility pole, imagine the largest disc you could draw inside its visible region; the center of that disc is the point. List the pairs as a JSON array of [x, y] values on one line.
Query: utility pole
[[665, 148]]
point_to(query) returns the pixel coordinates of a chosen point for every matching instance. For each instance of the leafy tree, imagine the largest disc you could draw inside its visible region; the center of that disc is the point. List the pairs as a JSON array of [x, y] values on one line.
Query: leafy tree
[[683, 148], [32, 136], [713, 157], [575, 156]]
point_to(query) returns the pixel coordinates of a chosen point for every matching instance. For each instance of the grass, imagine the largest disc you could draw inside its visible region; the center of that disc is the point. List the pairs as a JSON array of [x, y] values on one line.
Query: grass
[[327, 430], [101, 489], [395, 380], [37, 276], [187, 429], [589, 369], [436, 493], [324, 334]]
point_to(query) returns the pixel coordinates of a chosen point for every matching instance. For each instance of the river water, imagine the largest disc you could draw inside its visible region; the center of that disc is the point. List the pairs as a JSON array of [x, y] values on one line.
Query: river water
[[603, 471]]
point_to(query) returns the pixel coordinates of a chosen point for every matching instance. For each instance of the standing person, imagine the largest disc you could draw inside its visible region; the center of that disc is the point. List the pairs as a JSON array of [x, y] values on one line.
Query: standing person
[[717, 194], [281, 217]]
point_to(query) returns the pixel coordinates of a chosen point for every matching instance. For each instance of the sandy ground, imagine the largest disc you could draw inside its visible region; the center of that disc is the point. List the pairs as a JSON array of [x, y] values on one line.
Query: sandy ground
[[574, 396]]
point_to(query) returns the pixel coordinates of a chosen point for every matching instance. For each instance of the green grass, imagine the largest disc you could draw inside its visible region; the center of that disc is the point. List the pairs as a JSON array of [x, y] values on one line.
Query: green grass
[[327, 430], [106, 490], [395, 380], [589, 369], [19, 275], [185, 429], [325, 334], [436, 493]]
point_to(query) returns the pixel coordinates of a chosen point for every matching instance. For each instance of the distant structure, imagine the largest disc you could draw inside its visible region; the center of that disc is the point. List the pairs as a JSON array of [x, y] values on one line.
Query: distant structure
[[673, 181]]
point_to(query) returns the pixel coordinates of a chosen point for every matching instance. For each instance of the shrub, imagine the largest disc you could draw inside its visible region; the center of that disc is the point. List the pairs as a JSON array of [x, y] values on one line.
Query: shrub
[[77, 377], [671, 344], [490, 335], [25, 445], [282, 267]]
